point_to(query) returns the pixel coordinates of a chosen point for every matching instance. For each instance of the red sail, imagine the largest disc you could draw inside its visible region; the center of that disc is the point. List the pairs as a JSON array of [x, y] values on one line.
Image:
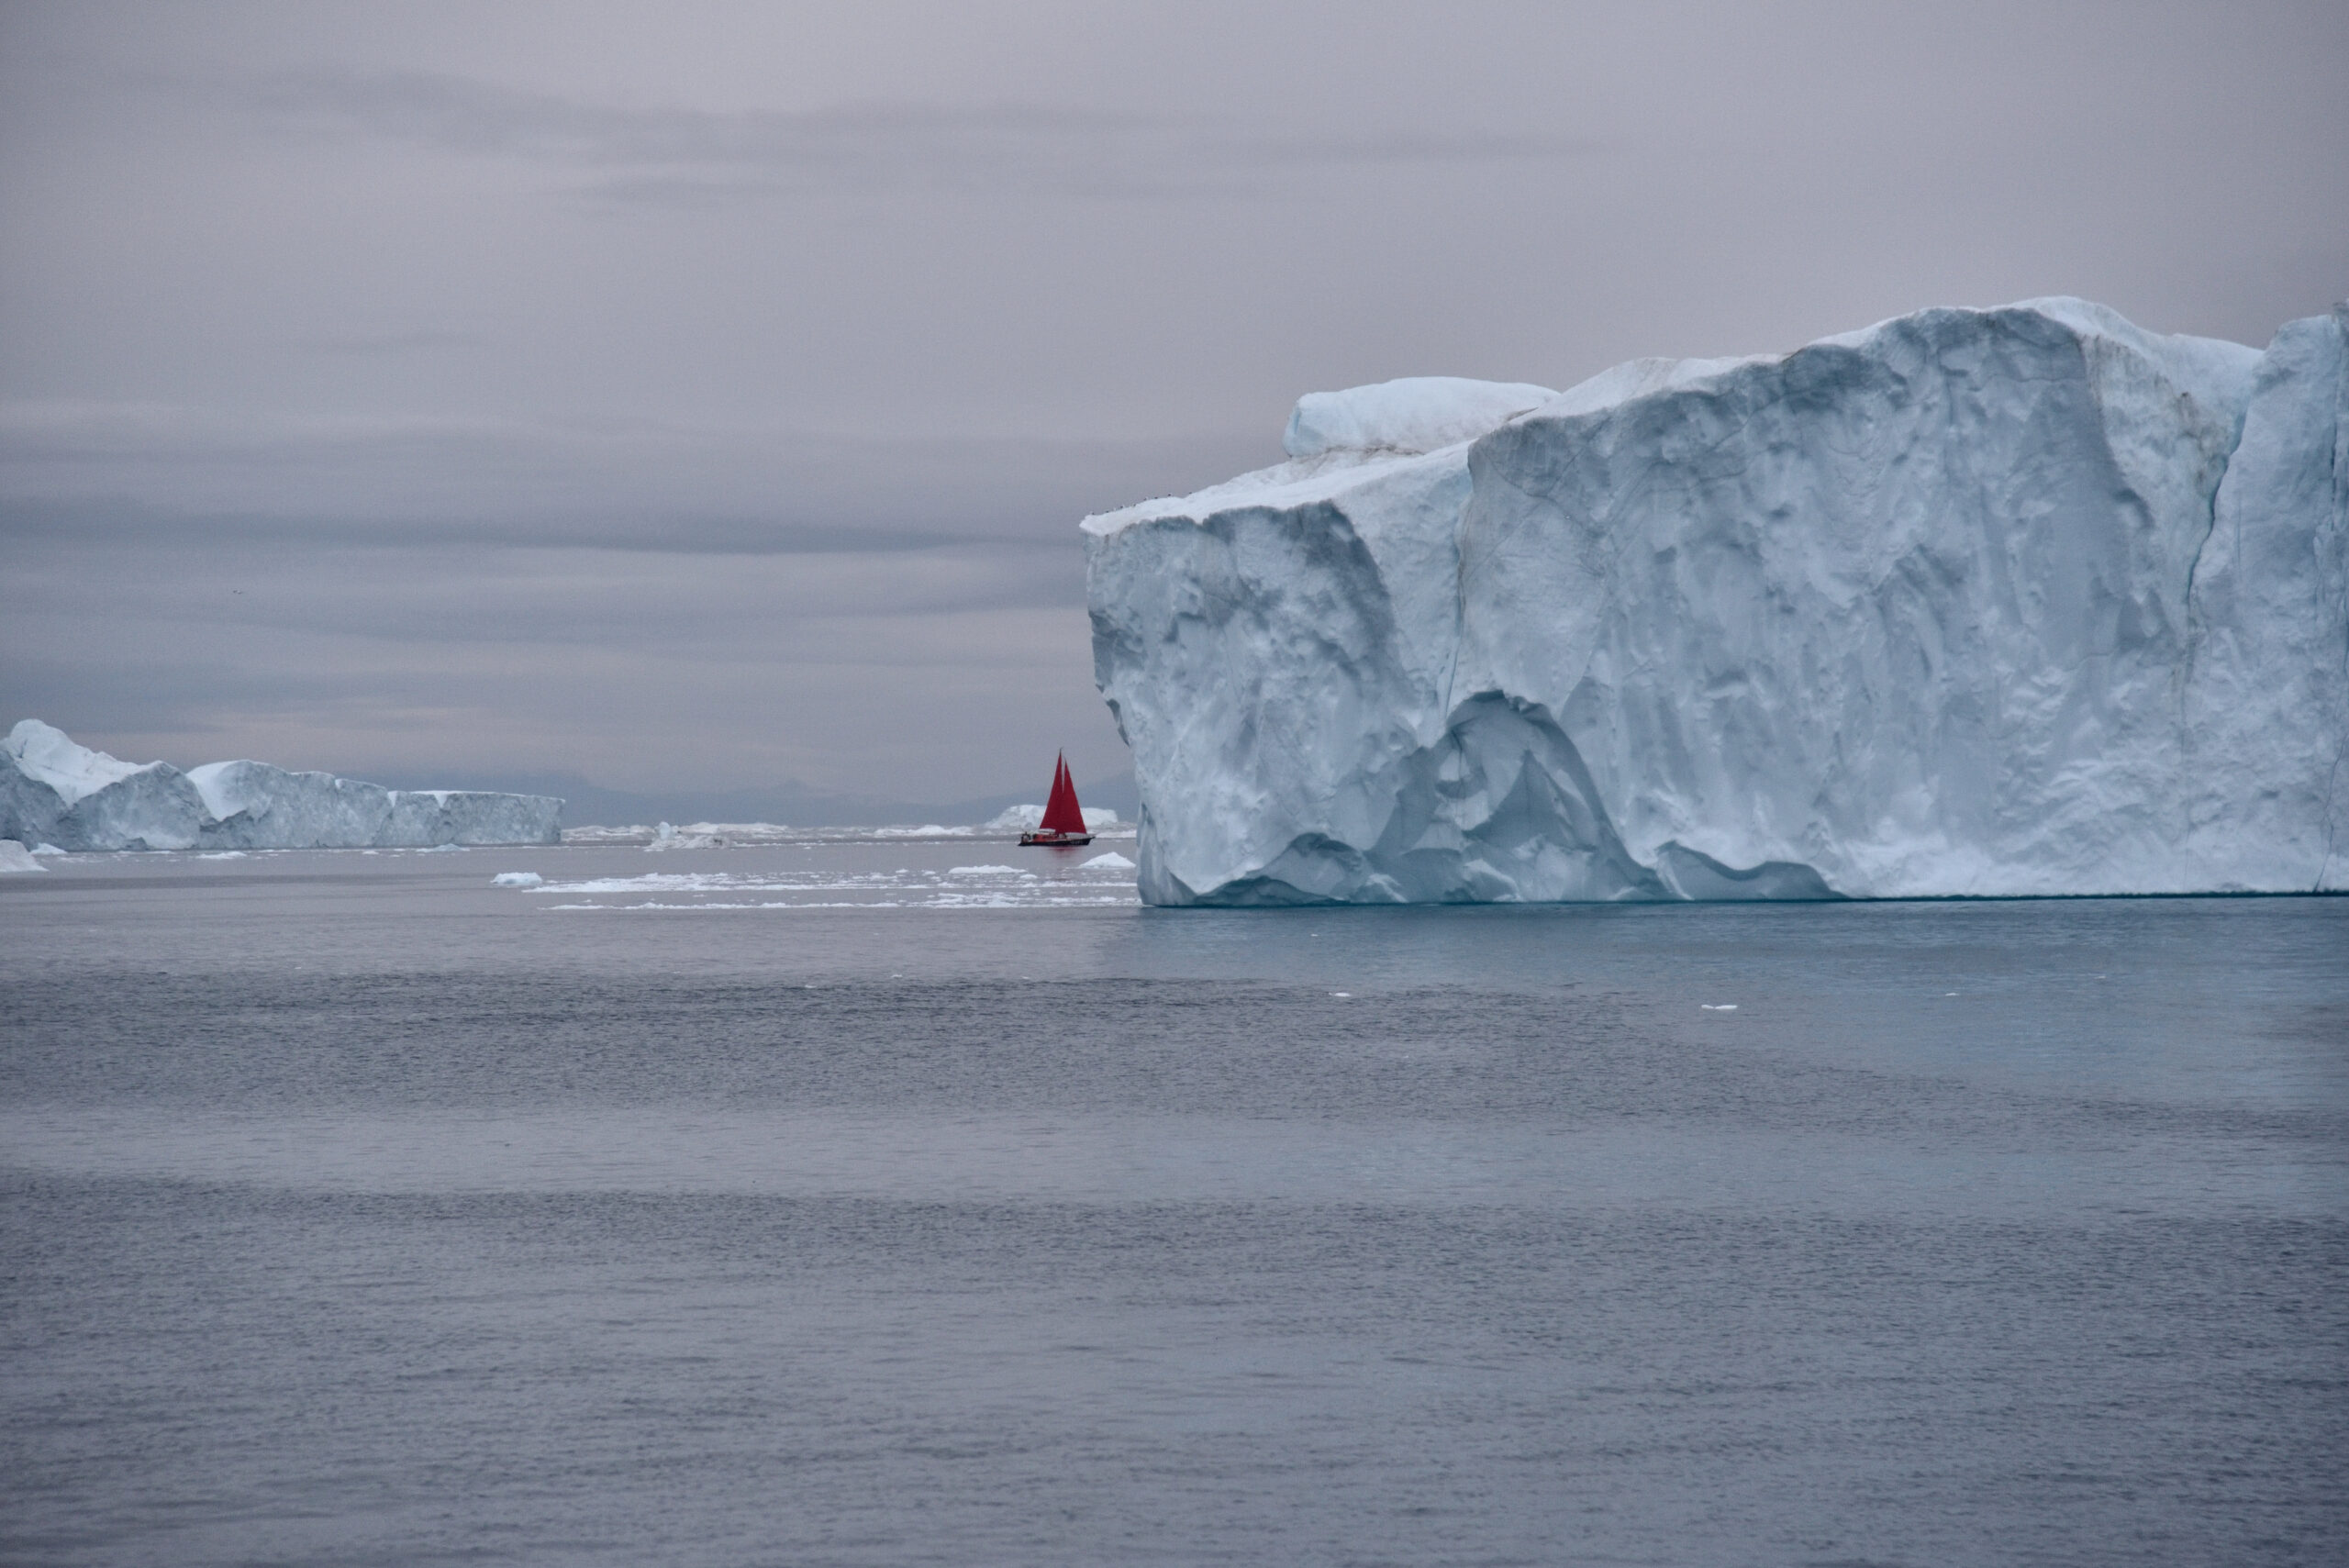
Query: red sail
[[1061, 814]]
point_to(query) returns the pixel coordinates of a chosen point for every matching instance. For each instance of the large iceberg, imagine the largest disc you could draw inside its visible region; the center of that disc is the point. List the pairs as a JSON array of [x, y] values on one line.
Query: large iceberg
[[2012, 602], [53, 790]]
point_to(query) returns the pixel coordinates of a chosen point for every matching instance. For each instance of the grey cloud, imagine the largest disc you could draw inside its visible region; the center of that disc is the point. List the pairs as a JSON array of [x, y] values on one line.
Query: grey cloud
[[382, 658], [151, 469], [414, 340], [685, 155], [122, 524], [393, 389]]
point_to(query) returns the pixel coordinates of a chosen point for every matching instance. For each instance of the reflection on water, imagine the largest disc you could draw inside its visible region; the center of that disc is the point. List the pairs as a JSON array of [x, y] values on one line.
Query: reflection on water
[[357, 1208]]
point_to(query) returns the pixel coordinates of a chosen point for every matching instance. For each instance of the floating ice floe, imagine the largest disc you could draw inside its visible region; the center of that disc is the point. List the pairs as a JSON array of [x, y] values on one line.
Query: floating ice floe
[[517, 879], [15, 857], [52, 789], [2012, 602]]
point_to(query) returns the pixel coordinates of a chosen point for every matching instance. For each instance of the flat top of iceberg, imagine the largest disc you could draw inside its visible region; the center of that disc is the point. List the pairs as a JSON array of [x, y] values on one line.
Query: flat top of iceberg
[[1415, 414], [1336, 441], [47, 753]]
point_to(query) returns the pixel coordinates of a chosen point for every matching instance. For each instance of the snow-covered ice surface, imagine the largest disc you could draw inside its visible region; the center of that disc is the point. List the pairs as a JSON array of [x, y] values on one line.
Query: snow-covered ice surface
[[52, 790], [2012, 602]]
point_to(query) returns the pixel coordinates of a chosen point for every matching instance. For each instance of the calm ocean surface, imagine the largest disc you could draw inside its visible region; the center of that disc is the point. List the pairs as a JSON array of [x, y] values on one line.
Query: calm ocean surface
[[929, 1202]]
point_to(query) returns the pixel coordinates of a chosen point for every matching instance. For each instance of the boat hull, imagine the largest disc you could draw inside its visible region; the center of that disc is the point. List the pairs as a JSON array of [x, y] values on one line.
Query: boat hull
[[1056, 841]]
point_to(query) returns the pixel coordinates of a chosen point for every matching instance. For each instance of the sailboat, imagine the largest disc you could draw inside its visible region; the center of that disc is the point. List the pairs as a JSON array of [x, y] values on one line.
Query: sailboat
[[1062, 823]]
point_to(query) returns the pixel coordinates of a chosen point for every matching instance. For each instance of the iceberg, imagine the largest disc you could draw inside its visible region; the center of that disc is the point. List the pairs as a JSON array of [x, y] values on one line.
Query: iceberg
[[54, 791], [1027, 818], [2012, 602], [16, 859]]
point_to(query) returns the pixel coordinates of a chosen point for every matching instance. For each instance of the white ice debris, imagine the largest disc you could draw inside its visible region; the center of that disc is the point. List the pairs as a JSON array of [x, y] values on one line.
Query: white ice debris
[[700, 836], [52, 789], [517, 879], [1110, 861], [1027, 818], [2017, 601], [15, 857]]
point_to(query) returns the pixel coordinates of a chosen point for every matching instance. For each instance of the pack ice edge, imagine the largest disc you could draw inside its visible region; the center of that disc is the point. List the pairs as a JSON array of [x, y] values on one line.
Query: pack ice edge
[[53, 790]]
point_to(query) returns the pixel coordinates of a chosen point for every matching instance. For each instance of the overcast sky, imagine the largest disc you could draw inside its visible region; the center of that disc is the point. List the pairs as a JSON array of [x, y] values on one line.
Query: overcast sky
[[672, 393]]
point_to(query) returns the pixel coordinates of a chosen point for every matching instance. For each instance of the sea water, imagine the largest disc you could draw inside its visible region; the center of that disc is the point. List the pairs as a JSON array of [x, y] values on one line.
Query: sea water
[[928, 1200]]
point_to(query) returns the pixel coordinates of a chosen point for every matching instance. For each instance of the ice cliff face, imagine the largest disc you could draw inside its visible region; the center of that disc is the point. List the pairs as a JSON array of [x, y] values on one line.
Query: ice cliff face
[[52, 791], [2001, 602]]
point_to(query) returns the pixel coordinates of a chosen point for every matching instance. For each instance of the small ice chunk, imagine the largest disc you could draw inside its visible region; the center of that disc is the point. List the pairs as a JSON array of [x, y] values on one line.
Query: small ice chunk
[[1110, 861], [985, 871], [53, 850], [517, 879], [15, 857], [1342, 993], [1719, 1007]]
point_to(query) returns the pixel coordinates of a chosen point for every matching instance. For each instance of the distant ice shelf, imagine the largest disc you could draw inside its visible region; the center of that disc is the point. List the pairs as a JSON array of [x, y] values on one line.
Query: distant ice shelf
[[56, 791], [2012, 602]]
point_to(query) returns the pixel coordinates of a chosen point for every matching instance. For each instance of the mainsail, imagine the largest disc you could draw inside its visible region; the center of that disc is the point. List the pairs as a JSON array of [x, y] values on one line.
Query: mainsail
[[1061, 813]]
